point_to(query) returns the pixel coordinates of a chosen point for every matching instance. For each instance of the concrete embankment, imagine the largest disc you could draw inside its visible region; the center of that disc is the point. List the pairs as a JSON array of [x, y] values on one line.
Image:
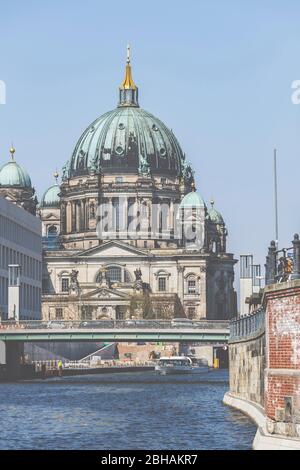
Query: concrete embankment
[[263, 439]]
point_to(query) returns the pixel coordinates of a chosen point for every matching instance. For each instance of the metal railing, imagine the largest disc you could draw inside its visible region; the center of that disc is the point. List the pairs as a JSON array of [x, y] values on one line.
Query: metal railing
[[247, 325], [115, 324], [283, 264]]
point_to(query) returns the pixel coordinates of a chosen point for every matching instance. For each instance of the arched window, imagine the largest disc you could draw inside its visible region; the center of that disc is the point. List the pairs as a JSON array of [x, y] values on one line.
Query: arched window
[[64, 281], [116, 274], [191, 285], [162, 281]]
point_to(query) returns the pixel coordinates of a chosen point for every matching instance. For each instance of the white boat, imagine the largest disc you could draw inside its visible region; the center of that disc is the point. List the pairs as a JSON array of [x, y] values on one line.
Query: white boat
[[180, 365]]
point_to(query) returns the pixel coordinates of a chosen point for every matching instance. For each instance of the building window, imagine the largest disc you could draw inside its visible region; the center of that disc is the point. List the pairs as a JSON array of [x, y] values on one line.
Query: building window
[[191, 286], [87, 312], [120, 312], [162, 284], [59, 313], [114, 274], [65, 284], [119, 179], [14, 275], [191, 312]]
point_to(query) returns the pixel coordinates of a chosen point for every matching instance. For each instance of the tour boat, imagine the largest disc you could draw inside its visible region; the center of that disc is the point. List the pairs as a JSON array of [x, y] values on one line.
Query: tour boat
[[180, 365]]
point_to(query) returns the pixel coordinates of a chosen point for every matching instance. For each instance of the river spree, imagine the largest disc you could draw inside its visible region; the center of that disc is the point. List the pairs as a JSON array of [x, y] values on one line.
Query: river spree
[[122, 411]]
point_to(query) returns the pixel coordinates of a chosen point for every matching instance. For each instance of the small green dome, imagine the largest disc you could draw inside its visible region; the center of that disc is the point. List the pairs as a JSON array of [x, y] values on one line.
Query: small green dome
[[192, 200], [215, 216], [12, 174], [51, 197]]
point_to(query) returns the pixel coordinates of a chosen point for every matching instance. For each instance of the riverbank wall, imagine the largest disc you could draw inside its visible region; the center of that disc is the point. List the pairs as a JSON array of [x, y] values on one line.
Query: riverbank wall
[[264, 367]]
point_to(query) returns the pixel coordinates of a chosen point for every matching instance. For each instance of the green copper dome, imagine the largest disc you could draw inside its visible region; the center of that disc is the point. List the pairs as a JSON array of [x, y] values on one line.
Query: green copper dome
[[128, 140], [51, 197], [12, 174], [214, 215], [192, 200]]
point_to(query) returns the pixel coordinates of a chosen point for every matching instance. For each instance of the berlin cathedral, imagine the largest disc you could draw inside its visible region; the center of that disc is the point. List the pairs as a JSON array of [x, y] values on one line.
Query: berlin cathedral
[[125, 233]]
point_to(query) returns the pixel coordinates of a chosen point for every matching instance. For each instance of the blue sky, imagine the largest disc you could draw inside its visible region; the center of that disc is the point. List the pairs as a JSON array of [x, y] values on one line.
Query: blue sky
[[218, 73]]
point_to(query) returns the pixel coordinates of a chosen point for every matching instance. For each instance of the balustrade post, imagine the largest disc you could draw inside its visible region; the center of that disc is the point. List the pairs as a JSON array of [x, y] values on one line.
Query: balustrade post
[[296, 249], [271, 264]]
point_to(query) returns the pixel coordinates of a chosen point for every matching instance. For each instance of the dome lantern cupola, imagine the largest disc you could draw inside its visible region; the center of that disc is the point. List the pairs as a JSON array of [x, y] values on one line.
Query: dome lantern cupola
[[15, 184], [51, 197], [128, 90], [13, 175], [215, 216], [192, 200]]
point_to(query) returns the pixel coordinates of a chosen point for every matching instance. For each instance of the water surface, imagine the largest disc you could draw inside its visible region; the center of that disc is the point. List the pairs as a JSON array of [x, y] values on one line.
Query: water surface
[[122, 411]]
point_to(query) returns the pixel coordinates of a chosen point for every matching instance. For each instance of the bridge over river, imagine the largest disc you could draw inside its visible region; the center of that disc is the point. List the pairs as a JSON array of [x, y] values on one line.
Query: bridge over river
[[116, 331], [13, 335]]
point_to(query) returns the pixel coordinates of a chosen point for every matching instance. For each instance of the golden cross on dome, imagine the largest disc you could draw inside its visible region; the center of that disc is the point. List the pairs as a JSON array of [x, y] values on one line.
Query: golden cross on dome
[[128, 54], [128, 83], [12, 151], [56, 175]]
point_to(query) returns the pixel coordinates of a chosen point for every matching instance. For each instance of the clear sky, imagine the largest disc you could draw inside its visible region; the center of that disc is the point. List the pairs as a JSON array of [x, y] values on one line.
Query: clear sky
[[218, 73]]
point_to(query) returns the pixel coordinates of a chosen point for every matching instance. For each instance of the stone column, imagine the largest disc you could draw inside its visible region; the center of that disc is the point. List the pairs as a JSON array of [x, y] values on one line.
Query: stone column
[[83, 214], [73, 211], [172, 218], [78, 210], [180, 278], [124, 206], [63, 215], [69, 218]]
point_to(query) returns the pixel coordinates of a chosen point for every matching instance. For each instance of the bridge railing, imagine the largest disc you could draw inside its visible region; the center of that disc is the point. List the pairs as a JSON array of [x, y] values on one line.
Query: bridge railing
[[114, 324], [247, 325]]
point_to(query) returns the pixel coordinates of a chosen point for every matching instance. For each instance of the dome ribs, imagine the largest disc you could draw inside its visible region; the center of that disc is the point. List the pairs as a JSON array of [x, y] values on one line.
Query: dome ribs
[[115, 141]]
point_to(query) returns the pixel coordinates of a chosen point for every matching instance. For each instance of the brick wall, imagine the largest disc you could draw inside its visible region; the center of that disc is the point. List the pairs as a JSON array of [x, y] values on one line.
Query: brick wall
[[282, 378]]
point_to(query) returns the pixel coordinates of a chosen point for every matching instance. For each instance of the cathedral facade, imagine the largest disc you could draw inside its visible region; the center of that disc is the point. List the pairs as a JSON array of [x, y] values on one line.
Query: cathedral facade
[[126, 234]]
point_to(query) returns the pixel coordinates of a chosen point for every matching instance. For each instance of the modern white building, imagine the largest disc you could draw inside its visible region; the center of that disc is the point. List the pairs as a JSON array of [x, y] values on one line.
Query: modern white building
[[250, 283], [20, 263]]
